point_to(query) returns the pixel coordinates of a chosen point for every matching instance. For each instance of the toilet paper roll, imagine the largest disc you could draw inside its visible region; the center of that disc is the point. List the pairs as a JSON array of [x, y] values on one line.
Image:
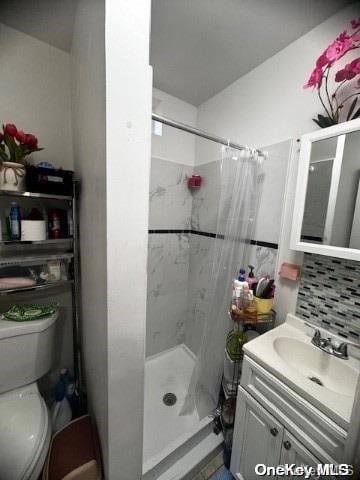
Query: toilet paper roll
[[33, 230]]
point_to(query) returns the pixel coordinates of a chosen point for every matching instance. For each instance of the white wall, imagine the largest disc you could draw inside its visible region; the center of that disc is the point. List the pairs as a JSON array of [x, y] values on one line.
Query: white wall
[[35, 93], [88, 109], [269, 105], [128, 151], [174, 145]]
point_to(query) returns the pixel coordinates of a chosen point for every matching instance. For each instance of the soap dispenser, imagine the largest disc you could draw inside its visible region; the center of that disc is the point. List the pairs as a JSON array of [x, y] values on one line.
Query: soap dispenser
[[251, 280]]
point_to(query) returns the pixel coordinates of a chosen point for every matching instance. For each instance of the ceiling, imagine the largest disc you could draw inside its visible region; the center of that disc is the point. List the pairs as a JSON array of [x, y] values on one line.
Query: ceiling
[[198, 47], [51, 21]]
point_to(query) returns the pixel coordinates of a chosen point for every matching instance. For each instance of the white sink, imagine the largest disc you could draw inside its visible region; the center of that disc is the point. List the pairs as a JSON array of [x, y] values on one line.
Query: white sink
[[320, 368], [327, 382]]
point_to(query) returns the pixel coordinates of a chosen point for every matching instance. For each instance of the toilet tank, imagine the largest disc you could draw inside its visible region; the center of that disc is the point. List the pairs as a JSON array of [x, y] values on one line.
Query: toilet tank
[[26, 351]]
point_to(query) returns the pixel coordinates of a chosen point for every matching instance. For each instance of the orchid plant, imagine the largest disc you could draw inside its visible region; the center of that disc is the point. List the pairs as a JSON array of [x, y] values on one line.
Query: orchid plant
[[347, 79]]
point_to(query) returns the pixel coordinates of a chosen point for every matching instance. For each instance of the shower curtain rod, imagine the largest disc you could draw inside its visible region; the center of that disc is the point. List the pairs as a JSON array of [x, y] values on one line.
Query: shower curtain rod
[[200, 133]]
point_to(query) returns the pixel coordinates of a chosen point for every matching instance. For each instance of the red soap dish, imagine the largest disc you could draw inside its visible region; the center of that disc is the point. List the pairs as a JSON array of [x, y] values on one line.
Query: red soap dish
[[194, 181]]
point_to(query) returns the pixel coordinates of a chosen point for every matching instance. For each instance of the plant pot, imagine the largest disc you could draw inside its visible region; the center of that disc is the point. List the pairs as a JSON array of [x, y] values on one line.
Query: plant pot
[[12, 176]]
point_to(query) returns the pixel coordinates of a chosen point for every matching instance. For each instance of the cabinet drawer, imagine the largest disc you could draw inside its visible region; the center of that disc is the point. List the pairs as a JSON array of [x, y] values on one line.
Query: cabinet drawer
[[316, 431]]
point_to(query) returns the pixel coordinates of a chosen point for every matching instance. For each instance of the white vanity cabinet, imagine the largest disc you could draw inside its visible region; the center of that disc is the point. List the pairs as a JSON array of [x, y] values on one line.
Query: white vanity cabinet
[[260, 439], [294, 452], [275, 427]]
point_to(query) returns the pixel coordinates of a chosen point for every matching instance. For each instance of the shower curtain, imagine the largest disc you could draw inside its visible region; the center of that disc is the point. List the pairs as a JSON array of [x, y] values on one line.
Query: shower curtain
[[241, 180]]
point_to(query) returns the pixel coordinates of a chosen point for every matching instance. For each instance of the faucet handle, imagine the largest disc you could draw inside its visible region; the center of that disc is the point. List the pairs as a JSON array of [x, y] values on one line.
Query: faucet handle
[[317, 333], [316, 339], [341, 350]]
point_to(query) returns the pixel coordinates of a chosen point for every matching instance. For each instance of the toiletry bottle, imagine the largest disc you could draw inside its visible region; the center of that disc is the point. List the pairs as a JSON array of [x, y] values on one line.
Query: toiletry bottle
[[54, 224], [61, 413], [241, 281], [15, 219], [242, 275], [244, 297], [251, 280], [251, 310]]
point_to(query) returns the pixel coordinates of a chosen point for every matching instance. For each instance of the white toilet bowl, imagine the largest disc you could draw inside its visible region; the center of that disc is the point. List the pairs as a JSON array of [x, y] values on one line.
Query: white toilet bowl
[[26, 350], [25, 433]]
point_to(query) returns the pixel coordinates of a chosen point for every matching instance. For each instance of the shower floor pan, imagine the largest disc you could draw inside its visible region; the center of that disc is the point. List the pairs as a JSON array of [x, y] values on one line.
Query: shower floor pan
[[173, 445]]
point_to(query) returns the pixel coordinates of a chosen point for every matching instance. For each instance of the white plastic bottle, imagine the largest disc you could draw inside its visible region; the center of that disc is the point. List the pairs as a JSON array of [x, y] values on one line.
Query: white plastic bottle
[[60, 414]]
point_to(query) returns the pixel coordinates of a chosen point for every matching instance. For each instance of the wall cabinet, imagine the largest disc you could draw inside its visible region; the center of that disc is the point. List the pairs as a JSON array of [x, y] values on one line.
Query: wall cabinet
[[259, 438], [325, 219]]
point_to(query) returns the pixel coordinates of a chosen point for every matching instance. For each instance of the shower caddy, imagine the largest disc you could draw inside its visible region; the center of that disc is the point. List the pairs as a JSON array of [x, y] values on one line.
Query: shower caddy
[[225, 415], [37, 253]]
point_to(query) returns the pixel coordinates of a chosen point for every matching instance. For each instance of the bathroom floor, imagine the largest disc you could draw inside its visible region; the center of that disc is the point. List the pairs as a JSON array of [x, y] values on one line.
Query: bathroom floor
[[164, 429], [214, 470]]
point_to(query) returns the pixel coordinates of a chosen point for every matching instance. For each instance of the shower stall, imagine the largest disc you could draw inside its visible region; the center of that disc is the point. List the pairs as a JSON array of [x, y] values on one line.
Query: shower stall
[[199, 236]]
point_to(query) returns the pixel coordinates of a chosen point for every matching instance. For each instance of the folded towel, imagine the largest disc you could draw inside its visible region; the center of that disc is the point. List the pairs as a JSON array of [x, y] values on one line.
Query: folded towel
[[16, 282], [23, 313]]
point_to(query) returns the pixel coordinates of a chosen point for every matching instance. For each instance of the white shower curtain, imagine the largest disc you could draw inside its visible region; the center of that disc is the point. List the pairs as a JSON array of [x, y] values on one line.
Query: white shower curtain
[[240, 189]]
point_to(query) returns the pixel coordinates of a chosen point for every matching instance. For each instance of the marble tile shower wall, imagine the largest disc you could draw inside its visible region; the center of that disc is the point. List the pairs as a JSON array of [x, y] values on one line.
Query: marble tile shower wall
[[204, 219], [179, 262], [329, 294], [170, 199], [168, 255]]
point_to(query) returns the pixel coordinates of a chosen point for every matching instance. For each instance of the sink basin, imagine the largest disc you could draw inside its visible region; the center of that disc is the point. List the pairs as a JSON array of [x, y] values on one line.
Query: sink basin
[[321, 369], [325, 381]]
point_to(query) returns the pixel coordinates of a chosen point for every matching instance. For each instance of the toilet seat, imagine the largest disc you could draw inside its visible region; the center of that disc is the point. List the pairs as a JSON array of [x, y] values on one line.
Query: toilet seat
[[25, 433]]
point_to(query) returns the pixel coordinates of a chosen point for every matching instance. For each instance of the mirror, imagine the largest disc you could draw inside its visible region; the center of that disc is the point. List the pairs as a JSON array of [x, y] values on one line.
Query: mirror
[[327, 201]]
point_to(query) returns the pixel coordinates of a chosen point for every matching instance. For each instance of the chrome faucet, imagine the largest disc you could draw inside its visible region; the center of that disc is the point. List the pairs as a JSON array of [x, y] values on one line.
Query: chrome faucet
[[328, 346]]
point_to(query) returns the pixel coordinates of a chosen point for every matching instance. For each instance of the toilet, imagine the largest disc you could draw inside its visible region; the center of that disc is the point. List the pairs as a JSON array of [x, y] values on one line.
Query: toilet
[[26, 351]]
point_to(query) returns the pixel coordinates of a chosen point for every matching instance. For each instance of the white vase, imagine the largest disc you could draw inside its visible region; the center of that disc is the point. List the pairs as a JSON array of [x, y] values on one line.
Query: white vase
[[12, 176]]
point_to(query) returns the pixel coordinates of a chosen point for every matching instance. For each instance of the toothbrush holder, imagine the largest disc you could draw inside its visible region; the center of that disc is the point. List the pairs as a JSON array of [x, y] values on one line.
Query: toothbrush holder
[[263, 305]]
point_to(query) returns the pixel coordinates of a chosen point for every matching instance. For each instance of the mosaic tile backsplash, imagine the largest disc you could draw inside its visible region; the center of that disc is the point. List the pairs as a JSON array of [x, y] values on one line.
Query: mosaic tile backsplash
[[329, 294]]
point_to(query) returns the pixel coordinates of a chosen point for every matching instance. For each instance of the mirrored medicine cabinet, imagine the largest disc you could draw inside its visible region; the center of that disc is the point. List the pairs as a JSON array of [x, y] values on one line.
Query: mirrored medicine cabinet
[[327, 200]]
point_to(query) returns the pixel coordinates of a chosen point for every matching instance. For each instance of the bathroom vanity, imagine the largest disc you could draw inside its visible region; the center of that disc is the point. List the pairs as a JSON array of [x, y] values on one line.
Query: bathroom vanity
[[295, 403]]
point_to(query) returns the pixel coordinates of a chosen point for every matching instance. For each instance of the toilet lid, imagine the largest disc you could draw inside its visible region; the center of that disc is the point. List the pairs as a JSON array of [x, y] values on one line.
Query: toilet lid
[[23, 426]]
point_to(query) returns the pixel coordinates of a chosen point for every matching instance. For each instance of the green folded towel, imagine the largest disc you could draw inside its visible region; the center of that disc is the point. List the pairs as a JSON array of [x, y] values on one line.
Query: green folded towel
[[23, 313]]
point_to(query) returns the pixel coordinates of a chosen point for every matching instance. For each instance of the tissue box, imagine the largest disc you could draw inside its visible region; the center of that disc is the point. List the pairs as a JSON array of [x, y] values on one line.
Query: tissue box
[[49, 180]]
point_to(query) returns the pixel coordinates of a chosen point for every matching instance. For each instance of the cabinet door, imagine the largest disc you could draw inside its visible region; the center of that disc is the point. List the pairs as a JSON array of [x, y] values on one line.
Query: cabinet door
[[293, 452], [257, 438]]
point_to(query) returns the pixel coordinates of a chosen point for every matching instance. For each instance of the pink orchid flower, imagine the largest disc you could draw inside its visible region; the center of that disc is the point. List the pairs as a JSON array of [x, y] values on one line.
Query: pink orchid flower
[[315, 79], [355, 23], [320, 78], [339, 47], [349, 71]]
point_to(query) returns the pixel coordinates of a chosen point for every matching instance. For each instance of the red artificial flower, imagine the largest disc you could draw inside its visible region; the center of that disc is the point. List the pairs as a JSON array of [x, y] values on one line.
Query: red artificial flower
[[20, 136], [31, 141], [10, 129]]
